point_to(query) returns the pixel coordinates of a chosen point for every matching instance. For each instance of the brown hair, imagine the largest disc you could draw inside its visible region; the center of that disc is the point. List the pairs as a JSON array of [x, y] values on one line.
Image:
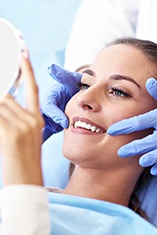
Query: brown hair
[[134, 202], [148, 48]]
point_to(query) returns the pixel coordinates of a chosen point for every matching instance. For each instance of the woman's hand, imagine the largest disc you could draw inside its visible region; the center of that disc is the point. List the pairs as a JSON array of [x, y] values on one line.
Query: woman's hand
[[21, 133]]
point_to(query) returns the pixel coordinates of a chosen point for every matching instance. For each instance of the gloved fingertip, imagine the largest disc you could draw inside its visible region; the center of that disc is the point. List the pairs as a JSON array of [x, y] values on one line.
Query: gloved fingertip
[[65, 123], [55, 67], [54, 70], [77, 75], [151, 86], [147, 160], [153, 170], [111, 130], [143, 161], [151, 82], [122, 152], [120, 127]]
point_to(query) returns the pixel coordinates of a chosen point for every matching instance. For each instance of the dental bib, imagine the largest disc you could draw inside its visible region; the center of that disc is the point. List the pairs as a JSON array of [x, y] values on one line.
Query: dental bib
[[71, 215]]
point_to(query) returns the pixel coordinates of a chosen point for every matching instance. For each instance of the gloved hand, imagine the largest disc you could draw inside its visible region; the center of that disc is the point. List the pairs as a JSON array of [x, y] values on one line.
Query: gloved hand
[[146, 146], [56, 98]]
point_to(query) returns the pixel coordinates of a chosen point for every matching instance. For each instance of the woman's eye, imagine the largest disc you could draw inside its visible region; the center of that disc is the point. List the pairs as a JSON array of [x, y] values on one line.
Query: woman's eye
[[82, 86], [118, 92]]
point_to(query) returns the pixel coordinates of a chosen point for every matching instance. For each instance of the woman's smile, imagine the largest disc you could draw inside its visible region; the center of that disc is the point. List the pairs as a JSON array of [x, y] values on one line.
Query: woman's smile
[[85, 126]]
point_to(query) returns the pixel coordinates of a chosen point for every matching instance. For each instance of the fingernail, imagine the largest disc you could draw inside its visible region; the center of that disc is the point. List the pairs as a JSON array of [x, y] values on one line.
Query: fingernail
[[25, 54]]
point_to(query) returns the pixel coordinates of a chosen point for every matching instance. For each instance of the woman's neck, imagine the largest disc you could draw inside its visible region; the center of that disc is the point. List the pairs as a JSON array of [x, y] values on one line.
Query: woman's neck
[[115, 187]]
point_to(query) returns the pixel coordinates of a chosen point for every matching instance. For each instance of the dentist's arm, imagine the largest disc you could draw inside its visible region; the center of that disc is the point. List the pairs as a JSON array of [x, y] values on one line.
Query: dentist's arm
[[56, 98], [146, 146]]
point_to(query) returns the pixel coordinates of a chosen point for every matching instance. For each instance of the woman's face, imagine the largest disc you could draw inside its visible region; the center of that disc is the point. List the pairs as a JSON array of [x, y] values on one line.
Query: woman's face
[[113, 89]]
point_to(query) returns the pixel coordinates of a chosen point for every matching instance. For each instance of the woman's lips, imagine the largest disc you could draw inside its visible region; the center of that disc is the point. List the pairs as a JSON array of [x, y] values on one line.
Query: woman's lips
[[81, 123]]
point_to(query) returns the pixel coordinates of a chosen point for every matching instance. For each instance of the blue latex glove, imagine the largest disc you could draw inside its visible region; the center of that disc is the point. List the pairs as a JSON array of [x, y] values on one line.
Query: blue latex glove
[[146, 146], [56, 98]]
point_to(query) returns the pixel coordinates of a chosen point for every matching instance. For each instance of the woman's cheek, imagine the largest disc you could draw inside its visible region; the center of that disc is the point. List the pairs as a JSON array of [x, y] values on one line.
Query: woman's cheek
[[69, 108]]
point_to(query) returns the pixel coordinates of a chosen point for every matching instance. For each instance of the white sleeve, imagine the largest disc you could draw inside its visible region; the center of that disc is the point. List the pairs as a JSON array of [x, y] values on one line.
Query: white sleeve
[[24, 210], [97, 22]]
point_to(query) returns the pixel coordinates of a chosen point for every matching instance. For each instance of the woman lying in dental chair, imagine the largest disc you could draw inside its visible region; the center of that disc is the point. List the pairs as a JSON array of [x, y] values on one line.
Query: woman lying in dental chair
[[57, 166], [100, 197]]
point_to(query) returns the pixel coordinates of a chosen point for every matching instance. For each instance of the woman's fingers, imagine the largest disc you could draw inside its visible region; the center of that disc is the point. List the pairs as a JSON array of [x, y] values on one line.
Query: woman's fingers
[[21, 133], [32, 100]]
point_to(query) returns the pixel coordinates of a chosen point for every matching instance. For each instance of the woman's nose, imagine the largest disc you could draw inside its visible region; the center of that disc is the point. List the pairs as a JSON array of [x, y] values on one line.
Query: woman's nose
[[89, 100]]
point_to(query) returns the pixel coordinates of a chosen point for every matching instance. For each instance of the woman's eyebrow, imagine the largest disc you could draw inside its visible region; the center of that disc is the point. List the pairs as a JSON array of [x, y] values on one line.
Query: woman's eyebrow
[[89, 72], [114, 77], [123, 77]]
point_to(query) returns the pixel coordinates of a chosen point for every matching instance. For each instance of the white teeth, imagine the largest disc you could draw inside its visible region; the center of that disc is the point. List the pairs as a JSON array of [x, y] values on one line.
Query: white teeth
[[97, 130], [93, 128], [79, 123], [83, 124], [86, 126]]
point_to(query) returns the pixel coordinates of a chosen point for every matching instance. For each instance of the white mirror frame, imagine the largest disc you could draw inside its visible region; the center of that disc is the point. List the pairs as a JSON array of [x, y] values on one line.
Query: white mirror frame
[[11, 46]]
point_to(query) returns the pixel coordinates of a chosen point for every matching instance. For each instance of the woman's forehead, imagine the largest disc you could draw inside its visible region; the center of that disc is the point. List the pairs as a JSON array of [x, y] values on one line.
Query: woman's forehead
[[120, 56], [121, 49], [126, 60]]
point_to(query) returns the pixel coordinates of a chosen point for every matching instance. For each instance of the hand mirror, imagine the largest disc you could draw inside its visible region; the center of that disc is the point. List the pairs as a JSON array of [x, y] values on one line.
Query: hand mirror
[[11, 46]]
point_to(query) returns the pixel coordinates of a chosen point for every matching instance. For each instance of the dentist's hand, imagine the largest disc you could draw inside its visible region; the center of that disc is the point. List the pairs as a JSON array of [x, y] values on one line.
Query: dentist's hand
[[146, 146], [56, 98]]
